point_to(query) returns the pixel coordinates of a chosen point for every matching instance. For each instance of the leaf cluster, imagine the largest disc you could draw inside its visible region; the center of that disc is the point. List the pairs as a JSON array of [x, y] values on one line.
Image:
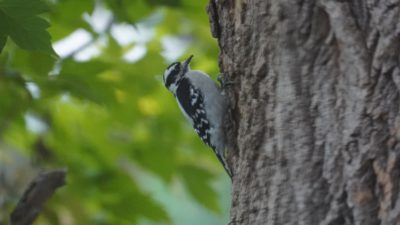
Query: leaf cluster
[[107, 119]]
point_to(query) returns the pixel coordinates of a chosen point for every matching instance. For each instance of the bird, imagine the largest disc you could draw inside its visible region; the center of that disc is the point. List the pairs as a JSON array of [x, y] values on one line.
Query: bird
[[202, 102]]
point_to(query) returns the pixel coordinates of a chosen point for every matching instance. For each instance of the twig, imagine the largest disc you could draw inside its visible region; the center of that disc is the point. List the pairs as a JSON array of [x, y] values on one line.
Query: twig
[[34, 197]]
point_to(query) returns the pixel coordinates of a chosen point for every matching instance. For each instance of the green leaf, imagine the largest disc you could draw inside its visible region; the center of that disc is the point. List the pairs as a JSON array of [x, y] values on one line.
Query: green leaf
[[12, 90], [118, 195], [129, 11], [23, 8], [171, 3], [145, 206], [36, 64], [67, 15], [20, 21], [82, 80], [30, 33], [3, 39], [197, 181], [70, 12]]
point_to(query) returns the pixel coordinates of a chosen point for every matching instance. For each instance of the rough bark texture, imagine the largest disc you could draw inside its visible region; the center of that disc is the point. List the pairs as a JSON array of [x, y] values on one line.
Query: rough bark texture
[[314, 121], [36, 195]]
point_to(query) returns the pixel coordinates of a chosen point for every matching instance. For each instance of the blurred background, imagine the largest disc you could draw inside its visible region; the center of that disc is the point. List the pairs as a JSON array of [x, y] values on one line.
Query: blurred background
[[95, 104]]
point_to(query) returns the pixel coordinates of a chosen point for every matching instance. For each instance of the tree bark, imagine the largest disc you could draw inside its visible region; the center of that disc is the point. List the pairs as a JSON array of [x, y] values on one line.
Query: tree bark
[[36, 195], [314, 124]]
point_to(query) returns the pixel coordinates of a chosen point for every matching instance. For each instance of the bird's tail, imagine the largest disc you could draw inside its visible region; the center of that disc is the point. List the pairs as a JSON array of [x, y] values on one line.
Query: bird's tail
[[223, 161]]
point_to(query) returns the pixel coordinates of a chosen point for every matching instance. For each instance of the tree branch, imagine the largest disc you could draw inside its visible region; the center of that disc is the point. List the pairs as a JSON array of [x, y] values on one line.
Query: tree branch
[[34, 197]]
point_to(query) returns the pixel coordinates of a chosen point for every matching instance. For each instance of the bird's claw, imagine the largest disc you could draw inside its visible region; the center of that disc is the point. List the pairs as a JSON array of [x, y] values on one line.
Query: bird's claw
[[223, 82]]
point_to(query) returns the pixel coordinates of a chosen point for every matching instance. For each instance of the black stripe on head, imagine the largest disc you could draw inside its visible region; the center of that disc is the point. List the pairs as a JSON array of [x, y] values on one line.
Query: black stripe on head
[[172, 76]]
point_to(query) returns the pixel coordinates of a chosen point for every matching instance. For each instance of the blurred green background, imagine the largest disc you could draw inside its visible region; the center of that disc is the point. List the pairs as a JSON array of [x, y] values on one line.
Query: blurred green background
[[81, 88]]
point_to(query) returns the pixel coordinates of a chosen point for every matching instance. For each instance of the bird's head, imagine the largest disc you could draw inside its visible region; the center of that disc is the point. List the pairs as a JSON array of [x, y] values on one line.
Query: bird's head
[[174, 73]]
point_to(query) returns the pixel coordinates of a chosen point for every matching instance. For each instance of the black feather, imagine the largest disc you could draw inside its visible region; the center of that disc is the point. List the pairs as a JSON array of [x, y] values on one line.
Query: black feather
[[173, 76], [192, 103]]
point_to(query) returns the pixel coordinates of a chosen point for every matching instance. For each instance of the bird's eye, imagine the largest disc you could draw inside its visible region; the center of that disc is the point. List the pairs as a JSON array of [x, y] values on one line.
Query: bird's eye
[[172, 74]]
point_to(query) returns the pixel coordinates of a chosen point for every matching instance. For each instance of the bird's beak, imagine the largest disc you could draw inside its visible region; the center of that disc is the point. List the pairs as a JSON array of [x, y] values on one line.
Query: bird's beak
[[187, 62]]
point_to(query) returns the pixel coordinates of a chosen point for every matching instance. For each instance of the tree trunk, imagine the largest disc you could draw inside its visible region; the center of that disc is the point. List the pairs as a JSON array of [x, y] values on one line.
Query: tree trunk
[[314, 124]]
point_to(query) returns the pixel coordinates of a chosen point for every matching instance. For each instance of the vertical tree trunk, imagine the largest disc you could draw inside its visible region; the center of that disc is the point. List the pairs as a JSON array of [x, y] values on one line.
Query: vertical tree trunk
[[314, 122]]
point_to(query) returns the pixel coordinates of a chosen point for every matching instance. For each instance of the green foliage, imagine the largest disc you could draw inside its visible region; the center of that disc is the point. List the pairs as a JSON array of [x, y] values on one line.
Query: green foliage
[[108, 120], [20, 21], [199, 187]]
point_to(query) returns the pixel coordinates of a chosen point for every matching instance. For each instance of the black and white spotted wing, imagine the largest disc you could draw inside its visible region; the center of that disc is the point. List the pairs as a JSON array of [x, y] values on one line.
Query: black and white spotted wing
[[191, 102]]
